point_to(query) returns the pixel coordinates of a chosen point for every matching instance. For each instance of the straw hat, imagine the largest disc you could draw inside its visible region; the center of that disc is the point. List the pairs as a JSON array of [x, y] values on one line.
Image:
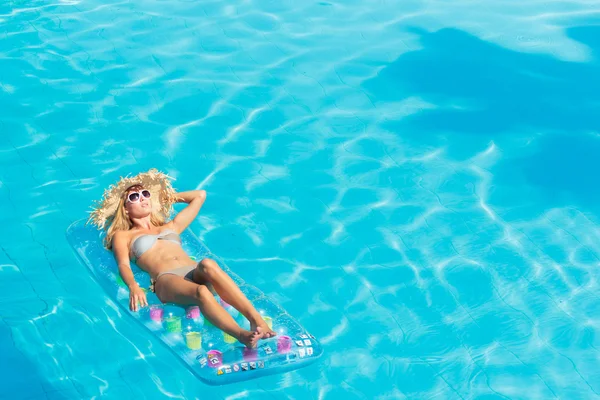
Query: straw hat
[[159, 185]]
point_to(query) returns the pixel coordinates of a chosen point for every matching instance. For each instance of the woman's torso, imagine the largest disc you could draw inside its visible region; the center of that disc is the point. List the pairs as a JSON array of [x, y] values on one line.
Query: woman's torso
[[159, 250]]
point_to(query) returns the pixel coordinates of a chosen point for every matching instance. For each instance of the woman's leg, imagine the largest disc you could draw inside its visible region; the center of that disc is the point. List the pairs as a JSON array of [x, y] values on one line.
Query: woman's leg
[[174, 289], [209, 272]]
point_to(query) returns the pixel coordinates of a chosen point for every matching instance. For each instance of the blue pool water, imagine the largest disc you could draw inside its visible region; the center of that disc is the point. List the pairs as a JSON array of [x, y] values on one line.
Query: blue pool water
[[415, 181]]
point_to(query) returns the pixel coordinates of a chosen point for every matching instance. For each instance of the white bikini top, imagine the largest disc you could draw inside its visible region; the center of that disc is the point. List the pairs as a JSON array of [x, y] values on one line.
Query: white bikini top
[[143, 243]]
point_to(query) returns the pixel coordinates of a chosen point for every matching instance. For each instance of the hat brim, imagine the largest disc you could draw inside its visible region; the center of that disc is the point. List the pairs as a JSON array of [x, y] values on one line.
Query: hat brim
[[159, 185]]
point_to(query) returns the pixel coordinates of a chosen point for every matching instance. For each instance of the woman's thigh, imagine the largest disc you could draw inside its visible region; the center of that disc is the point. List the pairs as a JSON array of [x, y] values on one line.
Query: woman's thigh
[[200, 278], [175, 289]]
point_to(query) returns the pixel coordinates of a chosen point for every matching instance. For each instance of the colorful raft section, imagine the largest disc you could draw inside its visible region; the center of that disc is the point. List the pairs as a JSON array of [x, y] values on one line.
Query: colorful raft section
[[212, 355]]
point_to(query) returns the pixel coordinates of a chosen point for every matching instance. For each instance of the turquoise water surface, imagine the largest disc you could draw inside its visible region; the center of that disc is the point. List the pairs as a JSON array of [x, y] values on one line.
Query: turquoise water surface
[[415, 181]]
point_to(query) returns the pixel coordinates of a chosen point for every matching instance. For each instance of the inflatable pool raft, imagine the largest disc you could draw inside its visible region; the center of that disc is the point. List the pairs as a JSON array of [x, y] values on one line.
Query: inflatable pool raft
[[213, 356]]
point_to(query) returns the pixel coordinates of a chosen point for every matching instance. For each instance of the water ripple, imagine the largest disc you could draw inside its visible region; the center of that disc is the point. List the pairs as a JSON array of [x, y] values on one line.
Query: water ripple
[[362, 168]]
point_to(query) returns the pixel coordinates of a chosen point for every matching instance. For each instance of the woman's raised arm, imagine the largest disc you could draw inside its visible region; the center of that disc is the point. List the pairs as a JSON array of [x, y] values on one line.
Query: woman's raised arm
[[195, 200]]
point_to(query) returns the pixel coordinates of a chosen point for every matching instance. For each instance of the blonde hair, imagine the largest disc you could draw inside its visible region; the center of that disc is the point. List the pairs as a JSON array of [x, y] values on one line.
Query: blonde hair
[[122, 222]]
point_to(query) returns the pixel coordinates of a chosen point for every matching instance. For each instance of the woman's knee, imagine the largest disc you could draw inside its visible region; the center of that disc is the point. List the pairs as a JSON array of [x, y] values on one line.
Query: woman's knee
[[209, 267], [203, 293]]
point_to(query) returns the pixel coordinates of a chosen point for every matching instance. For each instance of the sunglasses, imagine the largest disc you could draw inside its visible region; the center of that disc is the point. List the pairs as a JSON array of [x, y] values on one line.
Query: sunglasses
[[134, 197]]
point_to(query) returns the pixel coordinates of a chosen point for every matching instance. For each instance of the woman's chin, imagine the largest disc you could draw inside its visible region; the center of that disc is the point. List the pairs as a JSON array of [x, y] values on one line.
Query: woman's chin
[[141, 214]]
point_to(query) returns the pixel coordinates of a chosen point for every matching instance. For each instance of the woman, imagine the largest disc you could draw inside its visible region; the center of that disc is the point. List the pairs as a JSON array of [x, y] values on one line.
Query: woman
[[136, 211]]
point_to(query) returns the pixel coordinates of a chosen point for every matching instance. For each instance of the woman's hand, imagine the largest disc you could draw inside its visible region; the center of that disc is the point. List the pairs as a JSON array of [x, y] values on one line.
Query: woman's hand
[[137, 298]]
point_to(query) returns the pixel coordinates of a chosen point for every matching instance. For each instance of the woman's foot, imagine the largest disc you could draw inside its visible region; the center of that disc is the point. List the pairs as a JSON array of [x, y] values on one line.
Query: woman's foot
[[251, 338], [260, 323]]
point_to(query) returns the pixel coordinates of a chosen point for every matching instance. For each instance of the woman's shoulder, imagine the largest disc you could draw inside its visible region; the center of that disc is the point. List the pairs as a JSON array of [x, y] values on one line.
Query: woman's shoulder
[[167, 225], [122, 235]]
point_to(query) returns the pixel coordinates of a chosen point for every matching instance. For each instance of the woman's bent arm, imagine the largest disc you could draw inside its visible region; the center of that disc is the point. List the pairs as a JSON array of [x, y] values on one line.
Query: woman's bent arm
[[187, 197], [195, 200]]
